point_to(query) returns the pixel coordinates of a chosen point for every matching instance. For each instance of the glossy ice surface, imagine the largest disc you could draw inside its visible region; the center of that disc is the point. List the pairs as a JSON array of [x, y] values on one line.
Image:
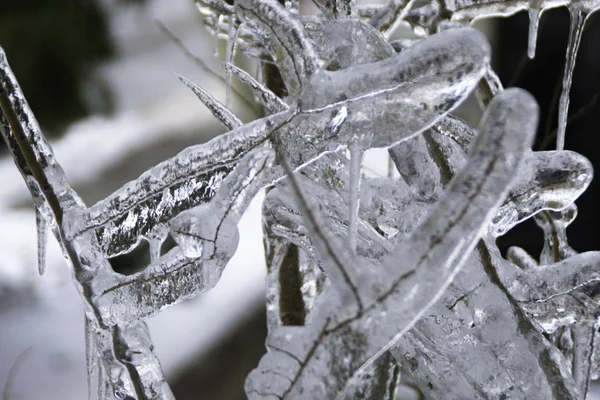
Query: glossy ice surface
[[369, 278]]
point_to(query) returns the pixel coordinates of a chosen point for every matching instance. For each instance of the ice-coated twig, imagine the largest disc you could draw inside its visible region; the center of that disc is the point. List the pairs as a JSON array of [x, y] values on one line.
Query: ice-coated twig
[[271, 102], [54, 198], [287, 43], [232, 35], [387, 18], [207, 239], [188, 179], [548, 181], [221, 112], [521, 258], [430, 260], [548, 281]]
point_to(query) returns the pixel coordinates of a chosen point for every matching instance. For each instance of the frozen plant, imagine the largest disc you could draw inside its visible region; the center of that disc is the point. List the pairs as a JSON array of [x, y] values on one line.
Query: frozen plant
[[369, 279]]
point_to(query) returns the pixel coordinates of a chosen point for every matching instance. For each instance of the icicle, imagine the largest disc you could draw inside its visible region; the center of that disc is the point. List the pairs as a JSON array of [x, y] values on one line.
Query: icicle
[[534, 22], [42, 236], [269, 100], [90, 358], [229, 56], [578, 19], [155, 239], [356, 154], [222, 113], [217, 20], [555, 223]]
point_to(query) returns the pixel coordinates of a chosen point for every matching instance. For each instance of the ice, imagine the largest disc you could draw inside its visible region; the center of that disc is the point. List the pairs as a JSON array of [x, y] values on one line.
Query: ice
[[389, 16], [554, 224], [232, 35], [284, 38], [535, 14], [579, 16], [206, 226], [264, 96], [221, 112], [354, 191], [367, 276], [431, 256], [557, 177], [42, 236]]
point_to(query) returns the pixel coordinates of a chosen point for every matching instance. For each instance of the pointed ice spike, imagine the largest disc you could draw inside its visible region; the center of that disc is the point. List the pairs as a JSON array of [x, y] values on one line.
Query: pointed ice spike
[[222, 113], [578, 18], [356, 155], [269, 100], [216, 20], [534, 21], [42, 236]]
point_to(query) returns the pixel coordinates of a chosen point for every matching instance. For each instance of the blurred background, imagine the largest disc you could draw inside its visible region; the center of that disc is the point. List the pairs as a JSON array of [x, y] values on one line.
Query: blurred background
[[98, 75]]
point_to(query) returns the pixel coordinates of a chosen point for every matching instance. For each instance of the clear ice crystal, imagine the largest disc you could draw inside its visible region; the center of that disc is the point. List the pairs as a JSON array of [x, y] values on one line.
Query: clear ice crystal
[[369, 278], [390, 297]]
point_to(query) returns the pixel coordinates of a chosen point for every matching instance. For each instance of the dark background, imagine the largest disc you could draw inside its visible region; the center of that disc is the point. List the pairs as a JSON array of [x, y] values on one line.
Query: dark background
[[543, 78]]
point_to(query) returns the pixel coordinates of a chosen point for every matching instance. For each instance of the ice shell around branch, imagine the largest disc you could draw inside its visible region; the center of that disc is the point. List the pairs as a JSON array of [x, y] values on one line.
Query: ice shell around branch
[[303, 361]]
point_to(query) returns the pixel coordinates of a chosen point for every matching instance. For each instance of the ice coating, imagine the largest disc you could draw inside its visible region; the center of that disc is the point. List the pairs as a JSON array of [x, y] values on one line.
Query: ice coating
[[225, 117], [472, 299], [230, 56], [400, 102], [301, 356], [548, 181], [264, 96], [56, 203], [287, 43]]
